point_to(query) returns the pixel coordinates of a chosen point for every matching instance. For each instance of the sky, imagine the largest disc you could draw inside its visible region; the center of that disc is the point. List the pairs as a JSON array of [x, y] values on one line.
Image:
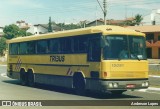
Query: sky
[[71, 11]]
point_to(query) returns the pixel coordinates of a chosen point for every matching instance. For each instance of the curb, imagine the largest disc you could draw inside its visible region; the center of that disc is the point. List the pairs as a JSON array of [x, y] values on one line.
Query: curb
[[154, 76], [149, 89]]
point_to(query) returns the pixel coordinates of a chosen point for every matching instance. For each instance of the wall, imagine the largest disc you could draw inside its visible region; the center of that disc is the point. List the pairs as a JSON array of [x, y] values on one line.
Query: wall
[[31, 29], [155, 54], [95, 23], [147, 20], [41, 30], [37, 29]]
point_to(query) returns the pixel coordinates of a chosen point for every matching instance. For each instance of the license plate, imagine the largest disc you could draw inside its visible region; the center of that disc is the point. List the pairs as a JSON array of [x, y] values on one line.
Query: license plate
[[130, 85]]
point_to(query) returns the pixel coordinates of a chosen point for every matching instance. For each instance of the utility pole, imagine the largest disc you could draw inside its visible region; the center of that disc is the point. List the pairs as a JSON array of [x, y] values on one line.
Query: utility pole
[[104, 9]]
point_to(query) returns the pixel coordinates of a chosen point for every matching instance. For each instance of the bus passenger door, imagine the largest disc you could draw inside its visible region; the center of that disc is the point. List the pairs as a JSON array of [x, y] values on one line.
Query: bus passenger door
[[94, 56]]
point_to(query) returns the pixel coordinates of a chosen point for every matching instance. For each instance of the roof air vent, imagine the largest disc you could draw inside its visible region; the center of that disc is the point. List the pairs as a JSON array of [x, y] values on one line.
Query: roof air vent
[[109, 29]]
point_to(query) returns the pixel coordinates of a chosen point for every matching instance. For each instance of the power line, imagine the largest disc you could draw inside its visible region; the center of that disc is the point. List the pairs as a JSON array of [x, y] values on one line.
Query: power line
[[78, 7]]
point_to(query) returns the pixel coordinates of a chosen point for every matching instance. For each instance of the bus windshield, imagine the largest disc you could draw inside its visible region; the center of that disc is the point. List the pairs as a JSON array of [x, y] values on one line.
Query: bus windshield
[[124, 47]]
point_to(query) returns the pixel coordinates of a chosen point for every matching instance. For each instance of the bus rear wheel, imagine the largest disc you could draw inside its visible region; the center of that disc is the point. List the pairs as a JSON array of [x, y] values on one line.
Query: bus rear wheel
[[31, 82], [23, 77], [79, 84]]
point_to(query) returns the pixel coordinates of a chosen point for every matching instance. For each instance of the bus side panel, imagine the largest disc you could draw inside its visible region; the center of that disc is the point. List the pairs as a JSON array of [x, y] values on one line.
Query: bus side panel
[[64, 81]]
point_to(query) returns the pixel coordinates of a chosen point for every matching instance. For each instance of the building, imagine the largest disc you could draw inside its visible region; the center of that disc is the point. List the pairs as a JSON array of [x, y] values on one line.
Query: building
[[37, 29], [42, 29], [152, 39], [152, 19], [23, 25], [1, 31], [95, 23], [110, 22]]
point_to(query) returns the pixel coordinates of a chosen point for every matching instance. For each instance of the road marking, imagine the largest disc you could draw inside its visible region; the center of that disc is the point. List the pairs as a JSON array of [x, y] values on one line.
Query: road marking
[[142, 90], [4, 75], [153, 88], [154, 76], [149, 89]]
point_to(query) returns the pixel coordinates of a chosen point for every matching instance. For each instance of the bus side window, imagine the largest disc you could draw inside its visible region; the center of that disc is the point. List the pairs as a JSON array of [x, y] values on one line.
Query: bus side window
[[54, 46], [14, 48], [94, 52], [23, 48], [80, 44], [42, 47], [65, 45], [31, 47]]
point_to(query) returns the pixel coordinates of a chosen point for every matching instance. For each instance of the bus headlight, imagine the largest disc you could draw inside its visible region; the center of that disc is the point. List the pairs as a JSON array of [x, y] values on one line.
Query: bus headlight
[[145, 84], [115, 85], [110, 85]]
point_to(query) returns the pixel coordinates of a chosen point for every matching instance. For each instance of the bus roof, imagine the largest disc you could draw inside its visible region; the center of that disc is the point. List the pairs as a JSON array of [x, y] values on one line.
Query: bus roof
[[104, 29]]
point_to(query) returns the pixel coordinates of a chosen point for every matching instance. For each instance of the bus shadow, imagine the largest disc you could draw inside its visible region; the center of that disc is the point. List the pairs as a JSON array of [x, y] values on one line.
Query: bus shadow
[[13, 81], [58, 89]]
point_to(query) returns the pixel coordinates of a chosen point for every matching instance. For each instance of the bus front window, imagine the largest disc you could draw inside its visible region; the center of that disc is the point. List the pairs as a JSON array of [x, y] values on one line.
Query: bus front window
[[124, 47], [137, 48]]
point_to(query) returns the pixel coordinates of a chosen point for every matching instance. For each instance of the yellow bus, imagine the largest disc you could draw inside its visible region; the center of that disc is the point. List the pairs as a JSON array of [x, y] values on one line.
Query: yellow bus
[[101, 58]]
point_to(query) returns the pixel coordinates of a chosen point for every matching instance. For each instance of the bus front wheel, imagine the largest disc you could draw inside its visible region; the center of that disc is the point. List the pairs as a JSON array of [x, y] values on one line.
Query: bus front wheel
[[79, 84]]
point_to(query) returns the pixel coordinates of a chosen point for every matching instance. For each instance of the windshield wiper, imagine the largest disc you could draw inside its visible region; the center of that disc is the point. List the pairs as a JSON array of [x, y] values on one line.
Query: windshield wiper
[[119, 58], [136, 56]]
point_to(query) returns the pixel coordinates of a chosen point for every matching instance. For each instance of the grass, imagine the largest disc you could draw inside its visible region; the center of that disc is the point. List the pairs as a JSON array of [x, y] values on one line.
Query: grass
[[155, 86]]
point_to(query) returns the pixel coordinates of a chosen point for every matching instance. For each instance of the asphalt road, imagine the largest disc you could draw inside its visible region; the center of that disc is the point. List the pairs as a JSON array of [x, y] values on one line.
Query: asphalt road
[[155, 81], [12, 90]]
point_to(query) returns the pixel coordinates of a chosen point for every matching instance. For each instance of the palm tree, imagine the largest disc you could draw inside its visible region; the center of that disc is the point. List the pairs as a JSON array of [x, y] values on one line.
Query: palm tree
[[138, 19]]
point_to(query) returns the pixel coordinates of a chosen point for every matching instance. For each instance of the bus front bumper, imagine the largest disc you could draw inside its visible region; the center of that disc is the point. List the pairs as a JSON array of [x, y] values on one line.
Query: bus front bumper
[[124, 85]]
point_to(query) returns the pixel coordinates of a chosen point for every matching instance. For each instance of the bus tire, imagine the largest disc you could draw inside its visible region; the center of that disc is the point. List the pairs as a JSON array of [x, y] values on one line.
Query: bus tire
[[23, 77], [31, 81], [79, 84]]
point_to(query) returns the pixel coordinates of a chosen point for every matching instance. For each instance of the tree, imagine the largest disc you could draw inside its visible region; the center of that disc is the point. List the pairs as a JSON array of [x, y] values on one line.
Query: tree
[[2, 45], [68, 26], [129, 23], [138, 19], [11, 31], [28, 34], [50, 25], [23, 33], [82, 24]]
